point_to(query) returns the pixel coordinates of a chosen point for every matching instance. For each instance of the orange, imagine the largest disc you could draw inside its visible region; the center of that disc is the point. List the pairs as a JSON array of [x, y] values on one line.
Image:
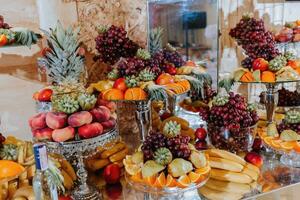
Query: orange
[[298, 70], [171, 182], [268, 140], [247, 77], [10, 169], [195, 178], [135, 93], [161, 180], [164, 79], [186, 84], [112, 94], [268, 76], [150, 180], [183, 181], [137, 177], [203, 170], [288, 145], [297, 147], [276, 143]]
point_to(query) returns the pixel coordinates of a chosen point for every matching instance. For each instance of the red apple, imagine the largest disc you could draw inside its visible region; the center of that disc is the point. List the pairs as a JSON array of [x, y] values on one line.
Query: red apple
[[201, 145], [45, 95], [90, 130], [114, 191], [112, 173], [120, 84], [201, 133], [64, 134], [260, 64], [56, 120], [254, 158], [38, 121], [80, 118], [100, 114], [43, 134], [171, 69]]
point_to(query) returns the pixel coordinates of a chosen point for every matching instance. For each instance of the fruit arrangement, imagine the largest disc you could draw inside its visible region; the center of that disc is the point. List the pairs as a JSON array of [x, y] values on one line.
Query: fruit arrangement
[[105, 157], [73, 113], [231, 122], [231, 176], [17, 166], [167, 159], [284, 136], [21, 36], [289, 33]]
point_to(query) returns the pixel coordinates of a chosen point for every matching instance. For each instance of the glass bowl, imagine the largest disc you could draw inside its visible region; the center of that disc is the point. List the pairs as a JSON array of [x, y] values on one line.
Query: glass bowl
[[236, 141]]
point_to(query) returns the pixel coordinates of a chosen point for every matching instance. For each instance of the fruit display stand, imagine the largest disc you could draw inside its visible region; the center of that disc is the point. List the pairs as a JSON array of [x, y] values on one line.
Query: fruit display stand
[[75, 152]]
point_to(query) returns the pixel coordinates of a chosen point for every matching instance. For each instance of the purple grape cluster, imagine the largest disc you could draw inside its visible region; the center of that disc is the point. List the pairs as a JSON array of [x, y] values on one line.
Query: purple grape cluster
[[288, 98], [179, 146], [152, 142], [114, 44], [173, 57], [286, 126], [3, 24], [130, 66], [250, 33]]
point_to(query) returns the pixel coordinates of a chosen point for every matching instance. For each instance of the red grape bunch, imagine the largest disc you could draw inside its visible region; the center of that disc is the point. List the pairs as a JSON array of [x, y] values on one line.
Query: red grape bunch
[[113, 44], [250, 33], [130, 66], [288, 98]]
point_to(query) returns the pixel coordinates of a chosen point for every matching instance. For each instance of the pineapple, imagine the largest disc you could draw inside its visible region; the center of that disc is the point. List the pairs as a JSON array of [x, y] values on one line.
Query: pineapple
[[143, 54], [102, 29], [9, 152], [156, 92], [171, 129], [155, 39], [87, 101], [146, 75], [179, 167], [63, 64], [113, 74], [292, 117], [220, 100], [25, 36], [277, 63], [131, 81], [150, 168], [163, 156], [66, 104]]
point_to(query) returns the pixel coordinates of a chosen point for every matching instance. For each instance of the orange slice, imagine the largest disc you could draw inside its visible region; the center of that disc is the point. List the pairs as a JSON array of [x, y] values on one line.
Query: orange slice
[[262, 133], [183, 181], [150, 180], [288, 145], [268, 140], [137, 177], [297, 147], [195, 178], [276, 143], [171, 182], [203, 170], [161, 180]]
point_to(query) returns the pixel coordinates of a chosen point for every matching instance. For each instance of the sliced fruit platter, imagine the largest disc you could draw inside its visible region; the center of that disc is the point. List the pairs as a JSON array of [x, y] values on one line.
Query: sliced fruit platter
[[289, 33], [73, 111], [231, 177], [16, 36], [167, 163], [285, 136]]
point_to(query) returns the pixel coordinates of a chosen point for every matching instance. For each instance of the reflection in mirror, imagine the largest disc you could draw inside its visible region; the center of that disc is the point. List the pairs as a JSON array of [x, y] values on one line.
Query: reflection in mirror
[[188, 25]]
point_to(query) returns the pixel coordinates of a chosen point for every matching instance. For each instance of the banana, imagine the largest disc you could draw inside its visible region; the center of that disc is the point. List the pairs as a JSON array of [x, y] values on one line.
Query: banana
[[253, 174], [225, 186], [253, 167], [224, 175], [31, 171], [118, 147], [68, 182], [23, 183], [217, 195], [20, 198], [67, 167], [222, 163], [119, 156], [26, 192], [29, 151], [227, 155], [23, 176]]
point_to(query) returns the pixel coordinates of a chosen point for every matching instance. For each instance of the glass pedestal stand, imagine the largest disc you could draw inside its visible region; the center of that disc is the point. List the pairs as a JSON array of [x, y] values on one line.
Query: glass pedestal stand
[[143, 116], [271, 100], [75, 152]]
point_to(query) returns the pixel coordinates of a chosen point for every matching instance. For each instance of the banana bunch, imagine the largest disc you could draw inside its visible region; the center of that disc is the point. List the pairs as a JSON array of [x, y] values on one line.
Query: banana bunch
[[231, 176], [116, 154]]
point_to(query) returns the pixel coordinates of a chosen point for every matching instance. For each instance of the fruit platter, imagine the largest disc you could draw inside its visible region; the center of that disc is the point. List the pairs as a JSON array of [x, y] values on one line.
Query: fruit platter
[[264, 63], [16, 36], [231, 122], [167, 163], [289, 33]]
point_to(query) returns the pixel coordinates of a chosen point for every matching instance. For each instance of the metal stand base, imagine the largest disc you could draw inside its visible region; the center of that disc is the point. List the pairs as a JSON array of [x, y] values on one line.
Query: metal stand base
[[271, 100], [90, 194]]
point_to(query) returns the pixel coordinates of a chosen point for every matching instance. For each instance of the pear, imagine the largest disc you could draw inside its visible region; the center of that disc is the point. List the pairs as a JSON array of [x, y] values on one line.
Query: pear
[[179, 167], [289, 135], [198, 159], [272, 130], [137, 157], [151, 168]]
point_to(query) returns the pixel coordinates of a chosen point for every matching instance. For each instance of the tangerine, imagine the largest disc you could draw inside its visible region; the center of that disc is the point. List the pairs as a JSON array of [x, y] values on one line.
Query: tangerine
[[194, 177], [161, 180], [150, 180]]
